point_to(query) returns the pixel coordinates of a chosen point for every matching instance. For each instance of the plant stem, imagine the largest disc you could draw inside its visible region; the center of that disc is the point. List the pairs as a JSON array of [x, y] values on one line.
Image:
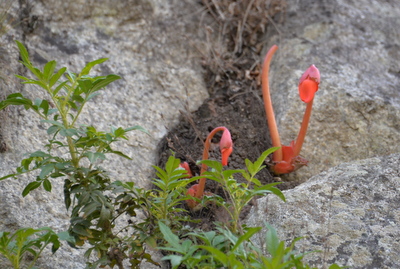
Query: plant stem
[[269, 110], [74, 157], [71, 146], [303, 129], [62, 109], [207, 144]]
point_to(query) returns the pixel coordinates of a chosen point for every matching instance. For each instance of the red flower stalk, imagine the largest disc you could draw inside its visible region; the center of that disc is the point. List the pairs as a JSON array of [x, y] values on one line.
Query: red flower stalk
[[226, 148], [308, 86], [286, 159]]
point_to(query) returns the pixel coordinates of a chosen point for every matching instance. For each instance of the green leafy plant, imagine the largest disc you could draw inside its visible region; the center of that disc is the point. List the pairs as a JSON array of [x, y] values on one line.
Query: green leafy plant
[[88, 191], [167, 198], [230, 245], [224, 249], [240, 194], [31, 242]]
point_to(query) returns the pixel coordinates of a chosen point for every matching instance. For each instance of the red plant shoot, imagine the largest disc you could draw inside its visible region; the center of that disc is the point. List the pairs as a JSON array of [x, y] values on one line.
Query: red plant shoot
[[192, 192], [287, 158], [226, 148], [186, 166]]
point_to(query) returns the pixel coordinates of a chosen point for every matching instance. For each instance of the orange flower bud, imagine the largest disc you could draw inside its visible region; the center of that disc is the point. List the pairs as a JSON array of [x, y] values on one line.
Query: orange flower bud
[[308, 84]]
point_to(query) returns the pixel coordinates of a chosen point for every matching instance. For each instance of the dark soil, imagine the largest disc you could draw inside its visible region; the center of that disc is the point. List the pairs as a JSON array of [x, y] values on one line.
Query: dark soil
[[242, 112], [235, 102]]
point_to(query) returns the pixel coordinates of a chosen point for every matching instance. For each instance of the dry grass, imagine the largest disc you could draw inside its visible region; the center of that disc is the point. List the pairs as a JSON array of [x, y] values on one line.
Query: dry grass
[[5, 20], [235, 39]]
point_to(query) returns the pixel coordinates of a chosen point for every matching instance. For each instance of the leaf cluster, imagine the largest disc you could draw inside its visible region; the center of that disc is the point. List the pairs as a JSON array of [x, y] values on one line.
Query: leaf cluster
[[224, 249], [240, 194], [16, 246], [167, 196], [231, 246], [95, 202]]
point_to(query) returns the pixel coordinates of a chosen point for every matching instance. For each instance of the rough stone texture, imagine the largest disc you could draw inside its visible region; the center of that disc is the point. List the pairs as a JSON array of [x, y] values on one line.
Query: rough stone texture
[[350, 212], [356, 46], [150, 44]]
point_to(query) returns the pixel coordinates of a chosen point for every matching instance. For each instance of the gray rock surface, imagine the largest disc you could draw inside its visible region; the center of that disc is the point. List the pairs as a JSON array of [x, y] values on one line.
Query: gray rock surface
[[356, 112], [150, 44], [350, 213]]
